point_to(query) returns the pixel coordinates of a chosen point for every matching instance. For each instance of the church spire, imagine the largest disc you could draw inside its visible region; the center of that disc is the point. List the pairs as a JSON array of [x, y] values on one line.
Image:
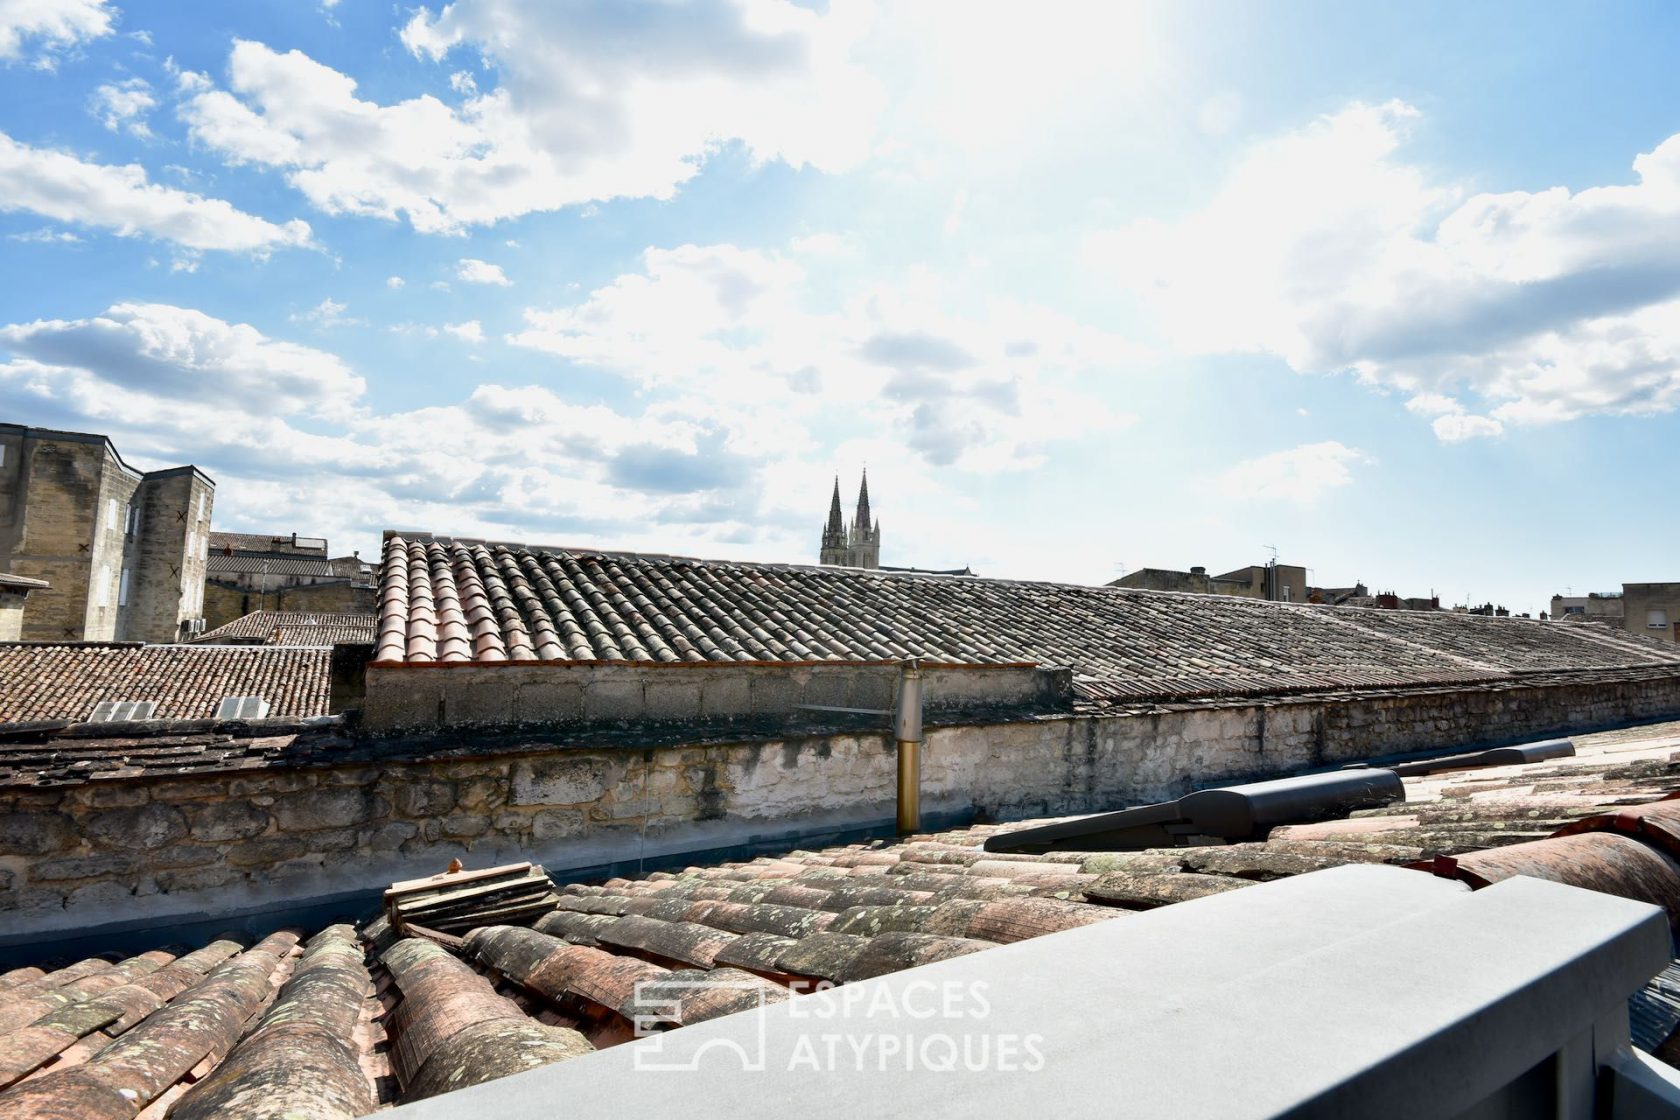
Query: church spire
[[836, 520], [857, 545]]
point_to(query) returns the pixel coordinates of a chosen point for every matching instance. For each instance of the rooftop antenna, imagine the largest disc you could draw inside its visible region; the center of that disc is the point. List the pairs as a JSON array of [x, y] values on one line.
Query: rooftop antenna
[[1272, 548]]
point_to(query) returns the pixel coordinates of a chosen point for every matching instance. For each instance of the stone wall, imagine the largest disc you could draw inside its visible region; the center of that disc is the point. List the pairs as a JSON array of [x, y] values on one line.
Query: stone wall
[[105, 853], [225, 601], [416, 697], [11, 614]]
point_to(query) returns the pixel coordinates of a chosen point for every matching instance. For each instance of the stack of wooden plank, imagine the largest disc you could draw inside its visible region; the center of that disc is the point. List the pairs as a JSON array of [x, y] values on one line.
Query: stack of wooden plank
[[444, 907]]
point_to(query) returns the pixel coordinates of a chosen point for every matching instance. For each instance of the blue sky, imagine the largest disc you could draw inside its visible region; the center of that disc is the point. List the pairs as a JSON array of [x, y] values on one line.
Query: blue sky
[[1088, 287]]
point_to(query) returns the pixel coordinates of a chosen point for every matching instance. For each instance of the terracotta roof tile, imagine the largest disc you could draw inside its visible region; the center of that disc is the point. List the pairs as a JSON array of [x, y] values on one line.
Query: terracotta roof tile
[[454, 600], [65, 682], [170, 1028], [293, 628]]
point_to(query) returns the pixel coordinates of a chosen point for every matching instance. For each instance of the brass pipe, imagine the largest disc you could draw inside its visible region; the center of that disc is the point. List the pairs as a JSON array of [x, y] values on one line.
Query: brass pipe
[[909, 786]]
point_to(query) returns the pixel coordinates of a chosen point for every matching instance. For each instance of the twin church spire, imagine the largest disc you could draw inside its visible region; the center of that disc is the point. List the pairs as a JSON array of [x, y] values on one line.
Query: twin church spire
[[857, 545]]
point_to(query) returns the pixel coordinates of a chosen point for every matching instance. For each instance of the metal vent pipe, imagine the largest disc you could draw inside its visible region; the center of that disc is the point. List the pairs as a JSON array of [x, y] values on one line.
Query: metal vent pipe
[[907, 729]]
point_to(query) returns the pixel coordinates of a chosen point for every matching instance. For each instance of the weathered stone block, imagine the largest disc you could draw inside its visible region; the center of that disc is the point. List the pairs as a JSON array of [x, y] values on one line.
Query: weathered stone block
[[668, 696], [558, 824], [186, 855], [423, 799], [465, 826], [35, 834], [115, 796], [144, 826], [71, 868], [549, 701], [270, 781], [613, 700], [389, 837], [773, 693], [328, 808], [562, 780], [228, 820], [725, 695], [197, 879], [265, 850], [482, 793]]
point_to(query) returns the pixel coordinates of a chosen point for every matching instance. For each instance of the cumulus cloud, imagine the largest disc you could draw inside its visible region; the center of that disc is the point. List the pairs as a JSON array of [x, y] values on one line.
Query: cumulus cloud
[[595, 103], [734, 327], [171, 354], [1325, 247], [1300, 475], [481, 272], [60, 186], [393, 282], [326, 314], [51, 25], [283, 423], [124, 105], [470, 331]]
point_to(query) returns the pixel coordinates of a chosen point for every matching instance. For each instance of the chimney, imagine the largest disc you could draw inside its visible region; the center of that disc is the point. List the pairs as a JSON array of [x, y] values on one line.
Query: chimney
[[1198, 570]]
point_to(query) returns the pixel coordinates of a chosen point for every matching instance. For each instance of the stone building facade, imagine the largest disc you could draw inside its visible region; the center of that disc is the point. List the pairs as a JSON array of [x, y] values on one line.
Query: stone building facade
[[124, 550], [14, 593], [857, 545], [250, 572], [1281, 583], [1652, 609]]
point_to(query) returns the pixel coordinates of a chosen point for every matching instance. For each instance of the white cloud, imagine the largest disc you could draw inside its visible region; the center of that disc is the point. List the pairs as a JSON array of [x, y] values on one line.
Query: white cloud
[[286, 423], [481, 272], [1455, 427], [470, 331], [46, 235], [54, 25], [170, 354], [60, 186], [124, 105], [325, 315], [594, 104], [731, 328], [1301, 475], [1326, 248], [393, 282]]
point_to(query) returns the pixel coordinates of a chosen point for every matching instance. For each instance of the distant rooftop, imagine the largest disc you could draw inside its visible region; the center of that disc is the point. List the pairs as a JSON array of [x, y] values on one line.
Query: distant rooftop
[[42, 682], [448, 600], [292, 628]]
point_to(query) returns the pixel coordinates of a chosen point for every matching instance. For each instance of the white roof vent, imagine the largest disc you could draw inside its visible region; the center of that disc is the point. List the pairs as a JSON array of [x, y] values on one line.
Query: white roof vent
[[121, 711], [242, 707]]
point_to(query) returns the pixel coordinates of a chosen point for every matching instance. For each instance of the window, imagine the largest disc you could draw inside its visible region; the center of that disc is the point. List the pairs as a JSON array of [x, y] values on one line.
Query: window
[[113, 711], [1656, 620], [2, 454], [122, 590], [103, 590], [111, 513], [242, 707], [203, 505]]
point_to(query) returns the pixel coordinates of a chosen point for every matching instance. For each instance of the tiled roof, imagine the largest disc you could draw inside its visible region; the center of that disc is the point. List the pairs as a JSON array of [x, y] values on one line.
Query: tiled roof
[[447, 600], [265, 542], [345, 1021], [246, 563], [292, 628], [65, 682]]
